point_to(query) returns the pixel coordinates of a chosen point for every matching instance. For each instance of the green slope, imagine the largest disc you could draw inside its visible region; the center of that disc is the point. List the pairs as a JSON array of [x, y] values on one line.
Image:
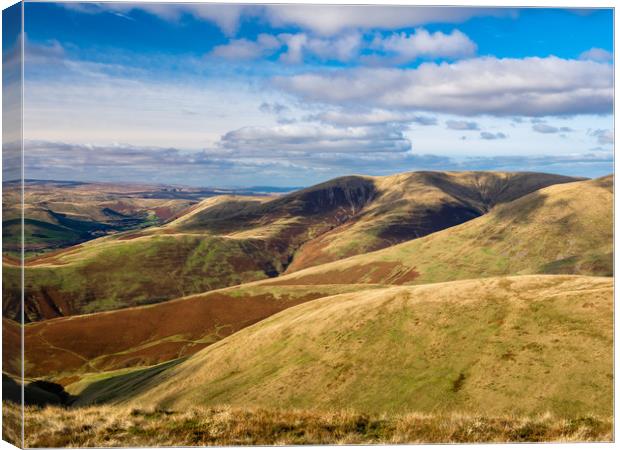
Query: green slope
[[507, 345], [113, 274]]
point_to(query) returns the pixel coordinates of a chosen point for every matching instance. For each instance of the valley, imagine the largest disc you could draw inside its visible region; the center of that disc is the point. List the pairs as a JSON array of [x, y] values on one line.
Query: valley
[[229, 240]]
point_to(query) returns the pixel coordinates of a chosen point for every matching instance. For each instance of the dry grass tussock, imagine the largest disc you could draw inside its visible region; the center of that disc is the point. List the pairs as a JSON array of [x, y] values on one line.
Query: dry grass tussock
[[109, 426]]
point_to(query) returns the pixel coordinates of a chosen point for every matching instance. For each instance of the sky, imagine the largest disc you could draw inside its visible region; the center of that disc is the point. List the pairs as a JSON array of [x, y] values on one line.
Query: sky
[[292, 95]]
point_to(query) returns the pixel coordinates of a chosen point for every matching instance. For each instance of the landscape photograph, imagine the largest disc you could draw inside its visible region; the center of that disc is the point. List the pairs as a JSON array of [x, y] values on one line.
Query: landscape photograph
[[283, 224]]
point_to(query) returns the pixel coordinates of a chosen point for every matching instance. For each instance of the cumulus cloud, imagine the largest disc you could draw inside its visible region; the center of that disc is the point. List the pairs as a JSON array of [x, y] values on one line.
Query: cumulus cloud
[[393, 48], [343, 48], [597, 54], [244, 49], [603, 137], [333, 19], [371, 117], [461, 125], [407, 47], [492, 136], [549, 129], [290, 138], [507, 86], [299, 45]]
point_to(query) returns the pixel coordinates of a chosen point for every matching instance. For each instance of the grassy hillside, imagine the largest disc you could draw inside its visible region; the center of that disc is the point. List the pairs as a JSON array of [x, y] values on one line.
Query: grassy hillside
[[187, 325], [507, 345], [113, 273], [232, 240], [566, 228]]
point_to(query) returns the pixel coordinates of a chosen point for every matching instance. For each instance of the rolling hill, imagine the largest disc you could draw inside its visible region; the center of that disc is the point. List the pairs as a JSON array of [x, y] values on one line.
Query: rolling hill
[[506, 345], [524, 243], [565, 228], [234, 240], [412, 205]]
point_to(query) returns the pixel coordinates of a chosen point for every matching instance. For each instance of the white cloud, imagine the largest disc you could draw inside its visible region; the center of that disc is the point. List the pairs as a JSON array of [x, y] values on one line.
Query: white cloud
[[333, 19], [549, 129], [295, 44], [219, 167], [461, 125], [603, 137], [372, 117], [244, 49], [319, 19], [421, 43], [291, 138], [343, 48], [492, 136], [597, 54], [393, 49], [525, 87]]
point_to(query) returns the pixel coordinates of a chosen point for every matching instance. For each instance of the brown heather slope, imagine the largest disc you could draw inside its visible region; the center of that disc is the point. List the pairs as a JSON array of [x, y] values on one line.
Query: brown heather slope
[[565, 228], [235, 240], [142, 336], [522, 345]]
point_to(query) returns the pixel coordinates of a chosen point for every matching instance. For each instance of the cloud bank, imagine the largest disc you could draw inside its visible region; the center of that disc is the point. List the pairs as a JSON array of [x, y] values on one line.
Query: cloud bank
[[494, 86], [224, 167]]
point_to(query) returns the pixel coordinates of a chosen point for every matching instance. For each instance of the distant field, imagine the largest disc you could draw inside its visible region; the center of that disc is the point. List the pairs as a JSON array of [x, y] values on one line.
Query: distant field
[[110, 426], [60, 214]]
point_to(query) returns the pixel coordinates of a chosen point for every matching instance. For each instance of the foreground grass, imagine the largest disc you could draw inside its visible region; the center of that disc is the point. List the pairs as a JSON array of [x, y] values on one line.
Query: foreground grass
[[109, 426]]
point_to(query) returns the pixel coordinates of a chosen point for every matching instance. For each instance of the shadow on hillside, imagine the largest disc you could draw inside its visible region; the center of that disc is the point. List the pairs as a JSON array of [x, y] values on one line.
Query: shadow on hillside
[[39, 392], [121, 386]]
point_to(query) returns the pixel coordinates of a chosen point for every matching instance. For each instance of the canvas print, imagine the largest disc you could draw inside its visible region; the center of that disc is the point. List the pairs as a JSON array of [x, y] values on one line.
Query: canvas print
[[277, 224]]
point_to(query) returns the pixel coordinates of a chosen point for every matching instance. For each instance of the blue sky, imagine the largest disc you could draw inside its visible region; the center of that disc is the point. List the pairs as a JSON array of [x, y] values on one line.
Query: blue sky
[[235, 95]]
